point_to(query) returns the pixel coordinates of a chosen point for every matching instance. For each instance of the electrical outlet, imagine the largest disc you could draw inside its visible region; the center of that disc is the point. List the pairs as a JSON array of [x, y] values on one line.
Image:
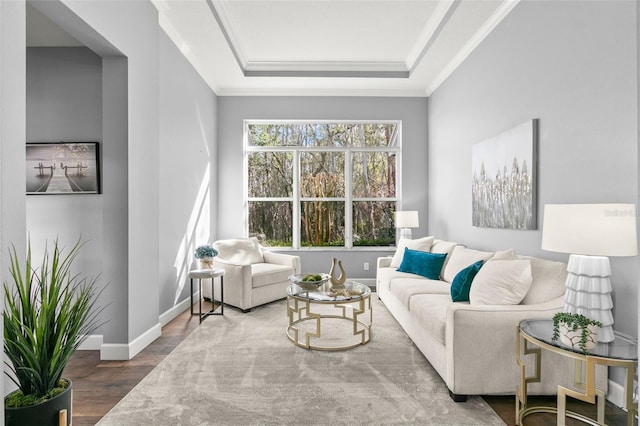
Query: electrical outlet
[[366, 266]]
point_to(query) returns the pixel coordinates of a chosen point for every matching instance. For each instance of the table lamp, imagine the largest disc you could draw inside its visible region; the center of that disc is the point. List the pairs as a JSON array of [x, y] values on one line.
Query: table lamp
[[405, 220], [590, 233]]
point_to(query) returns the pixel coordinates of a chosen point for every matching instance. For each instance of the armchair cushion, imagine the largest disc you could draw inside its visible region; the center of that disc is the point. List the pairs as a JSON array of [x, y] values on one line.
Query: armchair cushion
[[268, 273], [240, 251]]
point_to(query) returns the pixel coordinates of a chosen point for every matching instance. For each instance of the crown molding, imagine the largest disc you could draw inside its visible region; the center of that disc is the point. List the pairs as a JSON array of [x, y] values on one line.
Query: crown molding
[[327, 69], [348, 69], [383, 93], [501, 12], [430, 32], [221, 16]]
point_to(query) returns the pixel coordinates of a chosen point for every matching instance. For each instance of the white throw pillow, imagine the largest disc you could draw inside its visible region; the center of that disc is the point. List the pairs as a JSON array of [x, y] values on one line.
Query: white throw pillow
[[501, 282], [508, 254], [421, 244], [460, 258], [241, 251]]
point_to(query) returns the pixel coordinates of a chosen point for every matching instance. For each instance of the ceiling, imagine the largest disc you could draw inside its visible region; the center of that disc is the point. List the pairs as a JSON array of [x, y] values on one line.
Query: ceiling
[[320, 47]]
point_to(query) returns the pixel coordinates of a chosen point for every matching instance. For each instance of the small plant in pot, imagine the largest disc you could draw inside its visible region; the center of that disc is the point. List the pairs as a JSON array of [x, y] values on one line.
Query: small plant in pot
[[48, 313], [205, 255], [576, 330]]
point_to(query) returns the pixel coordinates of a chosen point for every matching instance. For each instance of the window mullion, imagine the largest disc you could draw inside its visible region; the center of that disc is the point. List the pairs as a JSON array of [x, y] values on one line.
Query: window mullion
[[348, 213], [295, 214]]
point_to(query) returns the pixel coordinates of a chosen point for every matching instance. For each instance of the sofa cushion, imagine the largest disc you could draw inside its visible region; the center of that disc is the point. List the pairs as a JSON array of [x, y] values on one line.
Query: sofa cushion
[[461, 284], [549, 279], [406, 288], [430, 311], [263, 274], [421, 244], [446, 247], [241, 251], [501, 282], [460, 258], [386, 274], [422, 263]]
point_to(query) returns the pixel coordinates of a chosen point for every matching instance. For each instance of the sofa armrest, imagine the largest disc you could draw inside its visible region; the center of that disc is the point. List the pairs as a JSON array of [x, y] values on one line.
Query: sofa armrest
[[480, 337], [283, 259], [384, 262]]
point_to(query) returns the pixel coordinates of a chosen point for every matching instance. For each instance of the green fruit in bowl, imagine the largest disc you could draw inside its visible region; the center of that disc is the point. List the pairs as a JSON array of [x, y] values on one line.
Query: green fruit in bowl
[[312, 277]]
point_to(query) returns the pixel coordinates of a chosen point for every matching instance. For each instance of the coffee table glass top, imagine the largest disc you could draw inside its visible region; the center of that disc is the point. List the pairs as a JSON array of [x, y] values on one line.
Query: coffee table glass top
[[327, 292], [623, 347]]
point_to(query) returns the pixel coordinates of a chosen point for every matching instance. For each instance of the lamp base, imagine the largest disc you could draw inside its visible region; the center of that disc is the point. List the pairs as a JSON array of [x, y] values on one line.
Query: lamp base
[[405, 233], [588, 291]]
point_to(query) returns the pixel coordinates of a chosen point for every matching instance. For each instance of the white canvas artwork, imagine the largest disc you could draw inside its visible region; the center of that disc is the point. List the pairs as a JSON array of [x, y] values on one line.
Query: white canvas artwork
[[503, 179]]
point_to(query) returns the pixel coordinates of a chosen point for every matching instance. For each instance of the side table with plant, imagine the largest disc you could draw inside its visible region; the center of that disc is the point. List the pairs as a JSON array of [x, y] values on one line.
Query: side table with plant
[[576, 330], [205, 255]]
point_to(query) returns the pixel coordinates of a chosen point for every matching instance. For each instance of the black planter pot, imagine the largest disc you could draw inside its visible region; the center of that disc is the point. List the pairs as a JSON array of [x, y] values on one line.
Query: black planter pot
[[46, 413]]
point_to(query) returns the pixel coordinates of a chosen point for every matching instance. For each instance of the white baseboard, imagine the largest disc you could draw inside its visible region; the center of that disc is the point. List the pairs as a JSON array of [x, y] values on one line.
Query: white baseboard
[[615, 394], [168, 316], [124, 351], [92, 343], [370, 282]]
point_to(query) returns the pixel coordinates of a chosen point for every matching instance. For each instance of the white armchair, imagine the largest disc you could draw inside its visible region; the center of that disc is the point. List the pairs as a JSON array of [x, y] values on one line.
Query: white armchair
[[252, 277]]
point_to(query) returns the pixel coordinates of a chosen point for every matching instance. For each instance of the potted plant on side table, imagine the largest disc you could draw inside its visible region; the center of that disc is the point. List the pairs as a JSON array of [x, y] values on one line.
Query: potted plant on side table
[[576, 330], [205, 255], [48, 313]]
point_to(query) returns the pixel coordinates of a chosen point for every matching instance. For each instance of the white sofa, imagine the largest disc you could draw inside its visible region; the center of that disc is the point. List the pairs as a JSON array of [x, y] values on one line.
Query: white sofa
[[253, 276], [472, 344]]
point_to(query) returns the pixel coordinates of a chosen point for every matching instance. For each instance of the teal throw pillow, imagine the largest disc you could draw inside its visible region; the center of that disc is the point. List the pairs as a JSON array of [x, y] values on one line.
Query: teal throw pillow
[[422, 263], [461, 284]]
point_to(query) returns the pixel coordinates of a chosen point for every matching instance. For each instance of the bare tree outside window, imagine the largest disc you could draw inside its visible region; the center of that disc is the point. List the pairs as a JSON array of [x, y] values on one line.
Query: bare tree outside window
[[322, 184]]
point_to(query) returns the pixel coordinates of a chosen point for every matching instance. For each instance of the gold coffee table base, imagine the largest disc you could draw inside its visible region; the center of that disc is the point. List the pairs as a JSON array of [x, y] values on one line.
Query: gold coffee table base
[[299, 311]]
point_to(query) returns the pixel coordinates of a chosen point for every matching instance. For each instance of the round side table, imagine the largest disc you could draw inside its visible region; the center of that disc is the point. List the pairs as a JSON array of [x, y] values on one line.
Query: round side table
[[200, 274]]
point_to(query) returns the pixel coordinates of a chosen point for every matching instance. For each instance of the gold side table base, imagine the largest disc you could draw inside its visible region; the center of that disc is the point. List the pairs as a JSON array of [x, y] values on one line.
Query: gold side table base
[[300, 311], [584, 379]]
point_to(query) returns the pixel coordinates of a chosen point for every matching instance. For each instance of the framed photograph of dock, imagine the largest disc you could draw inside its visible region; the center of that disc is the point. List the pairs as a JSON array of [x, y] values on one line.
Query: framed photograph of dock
[[63, 168]]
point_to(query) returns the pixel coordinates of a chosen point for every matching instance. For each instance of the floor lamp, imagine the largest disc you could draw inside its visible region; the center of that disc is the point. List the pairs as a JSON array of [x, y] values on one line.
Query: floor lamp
[[591, 233], [405, 220]]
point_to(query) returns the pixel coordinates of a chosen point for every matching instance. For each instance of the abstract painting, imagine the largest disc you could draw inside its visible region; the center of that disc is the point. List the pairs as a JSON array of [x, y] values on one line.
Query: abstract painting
[[504, 177]]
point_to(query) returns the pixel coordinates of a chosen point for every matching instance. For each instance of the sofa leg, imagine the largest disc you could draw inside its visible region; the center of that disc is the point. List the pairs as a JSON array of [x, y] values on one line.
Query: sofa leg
[[458, 398]]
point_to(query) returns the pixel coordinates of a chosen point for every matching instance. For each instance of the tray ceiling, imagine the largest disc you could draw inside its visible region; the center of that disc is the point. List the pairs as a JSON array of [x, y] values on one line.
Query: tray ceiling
[[327, 47]]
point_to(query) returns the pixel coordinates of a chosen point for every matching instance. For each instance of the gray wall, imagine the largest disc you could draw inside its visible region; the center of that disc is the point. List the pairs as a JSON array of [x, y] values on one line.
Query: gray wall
[[574, 66], [64, 103], [12, 137], [232, 112], [187, 153]]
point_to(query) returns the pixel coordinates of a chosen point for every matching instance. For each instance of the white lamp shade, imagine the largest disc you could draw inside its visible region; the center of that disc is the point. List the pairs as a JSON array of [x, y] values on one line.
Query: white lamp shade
[[590, 229], [407, 219]]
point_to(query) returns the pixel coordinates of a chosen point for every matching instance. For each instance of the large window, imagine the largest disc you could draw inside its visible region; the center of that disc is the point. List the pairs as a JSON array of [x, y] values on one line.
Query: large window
[[322, 184]]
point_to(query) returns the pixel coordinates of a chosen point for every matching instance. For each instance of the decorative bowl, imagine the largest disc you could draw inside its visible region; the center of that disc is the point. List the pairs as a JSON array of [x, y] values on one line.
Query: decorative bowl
[[311, 280]]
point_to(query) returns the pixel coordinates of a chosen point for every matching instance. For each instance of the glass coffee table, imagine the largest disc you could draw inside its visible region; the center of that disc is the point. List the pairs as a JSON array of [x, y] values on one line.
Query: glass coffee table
[[535, 336], [329, 318]]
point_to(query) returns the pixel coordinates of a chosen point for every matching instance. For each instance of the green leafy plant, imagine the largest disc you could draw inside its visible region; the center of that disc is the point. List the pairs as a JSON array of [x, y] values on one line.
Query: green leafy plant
[[48, 313], [574, 322], [205, 251]]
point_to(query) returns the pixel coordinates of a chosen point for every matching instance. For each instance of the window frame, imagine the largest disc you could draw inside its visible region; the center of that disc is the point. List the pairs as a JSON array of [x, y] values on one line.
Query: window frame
[[296, 198]]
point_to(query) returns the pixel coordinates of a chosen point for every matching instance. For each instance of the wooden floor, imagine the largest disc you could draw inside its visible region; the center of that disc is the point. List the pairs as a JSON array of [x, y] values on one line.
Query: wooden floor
[[99, 385]]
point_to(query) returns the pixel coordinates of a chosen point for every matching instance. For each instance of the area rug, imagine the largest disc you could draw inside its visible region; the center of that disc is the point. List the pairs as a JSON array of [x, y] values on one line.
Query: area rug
[[241, 369]]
